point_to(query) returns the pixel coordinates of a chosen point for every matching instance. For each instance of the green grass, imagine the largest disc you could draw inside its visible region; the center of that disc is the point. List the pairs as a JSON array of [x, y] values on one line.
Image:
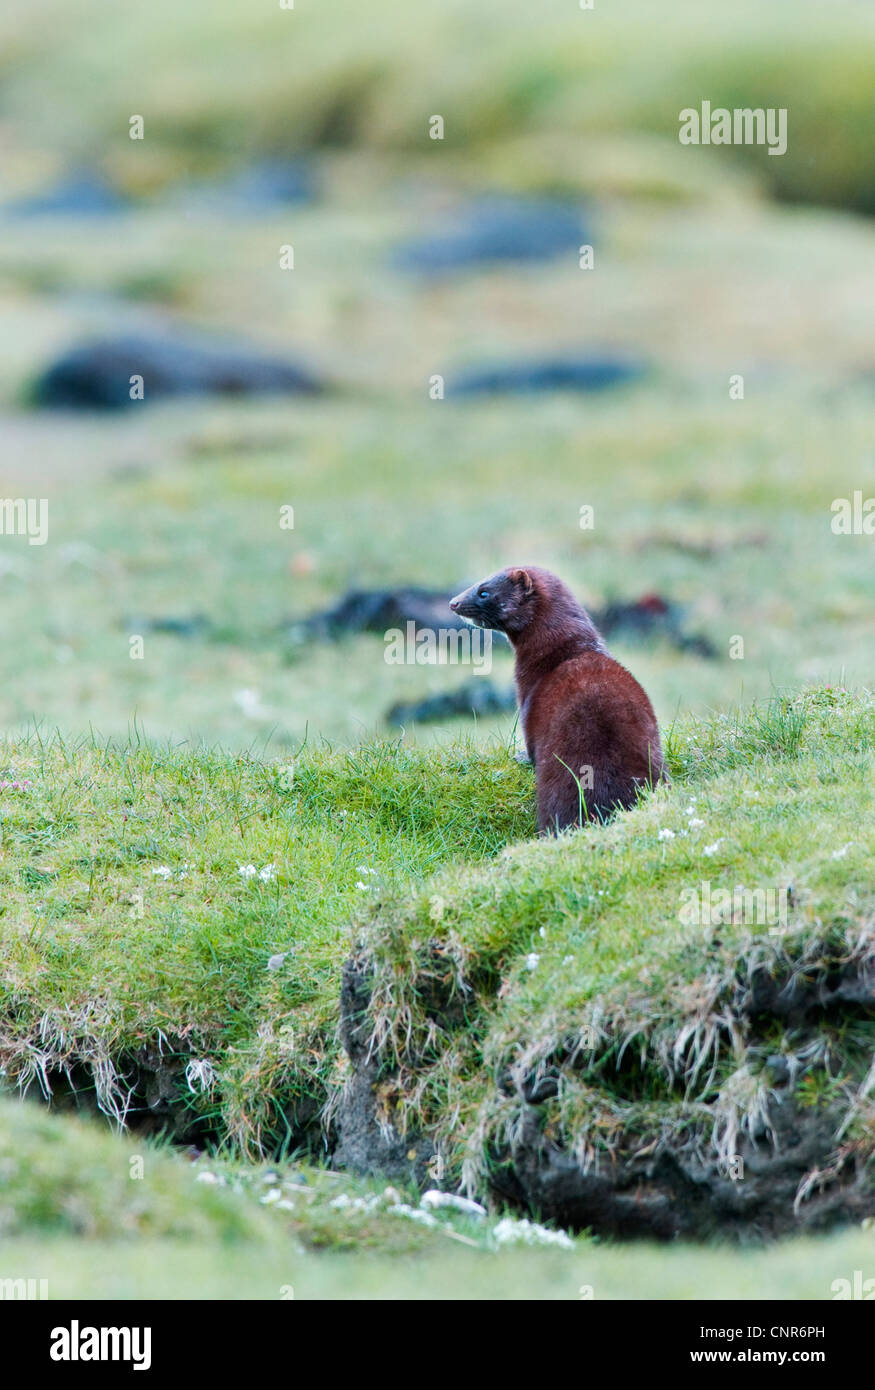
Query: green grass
[[64, 1179], [748, 553], [128, 932], [173, 511], [99, 1216], [126, 923], [115, 978], [796, 1269]]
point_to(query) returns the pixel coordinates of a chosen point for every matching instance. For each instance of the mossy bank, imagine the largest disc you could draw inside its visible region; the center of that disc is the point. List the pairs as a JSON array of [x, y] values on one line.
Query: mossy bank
[[663, 1027]]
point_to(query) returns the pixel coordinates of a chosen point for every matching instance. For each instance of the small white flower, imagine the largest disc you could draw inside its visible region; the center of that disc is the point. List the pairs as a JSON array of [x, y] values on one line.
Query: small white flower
[[512, 1232], [208, 1177], [273, 1194], [712, 849], [425, 1218], [696, 824], [532, 960], [691, 809], [267, 873], [365, 887], [840, 853], [247, 870], [568, 960], [666, 834], [162, 872], [343, 1202], [275, 962], [363, 869]]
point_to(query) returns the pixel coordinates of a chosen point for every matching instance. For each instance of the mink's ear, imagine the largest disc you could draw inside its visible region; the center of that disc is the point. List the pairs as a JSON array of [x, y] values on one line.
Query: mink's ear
[[523, 578]]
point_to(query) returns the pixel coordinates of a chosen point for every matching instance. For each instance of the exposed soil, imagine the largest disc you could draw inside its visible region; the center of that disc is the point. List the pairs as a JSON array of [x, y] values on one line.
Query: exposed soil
[[789, 1175]]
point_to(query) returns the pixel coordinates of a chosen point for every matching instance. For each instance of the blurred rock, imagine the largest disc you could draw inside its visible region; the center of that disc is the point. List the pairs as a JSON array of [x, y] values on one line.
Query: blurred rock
[[96, 376], [476, 697], [266, 184], [544, 375], [652, 616], [496, 229], [81, 193], [376, 610], [197, 625]]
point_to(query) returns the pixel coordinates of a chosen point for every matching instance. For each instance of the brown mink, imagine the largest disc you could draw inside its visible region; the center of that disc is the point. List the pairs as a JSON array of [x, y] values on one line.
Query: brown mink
[[589, 727]]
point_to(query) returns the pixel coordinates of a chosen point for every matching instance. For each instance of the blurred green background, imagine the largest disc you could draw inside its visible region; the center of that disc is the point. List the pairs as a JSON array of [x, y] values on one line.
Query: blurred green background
[[708, 262], [265, 128]]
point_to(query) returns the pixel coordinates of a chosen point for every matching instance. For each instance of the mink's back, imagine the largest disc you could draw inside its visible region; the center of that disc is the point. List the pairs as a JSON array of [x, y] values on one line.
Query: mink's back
[[590, 713]]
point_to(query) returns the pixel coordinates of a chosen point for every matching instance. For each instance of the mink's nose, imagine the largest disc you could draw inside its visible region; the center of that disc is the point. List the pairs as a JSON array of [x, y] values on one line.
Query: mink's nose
[[454, 604]]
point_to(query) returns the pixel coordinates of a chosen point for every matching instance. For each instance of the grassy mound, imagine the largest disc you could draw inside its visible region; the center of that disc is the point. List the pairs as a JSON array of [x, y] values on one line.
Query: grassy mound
[[173, 923], [688, 980], [694, 978], [65, 1178]]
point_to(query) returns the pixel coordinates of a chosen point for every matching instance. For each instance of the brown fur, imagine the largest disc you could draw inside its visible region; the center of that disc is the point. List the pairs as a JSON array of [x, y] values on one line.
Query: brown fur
[[585, 718]]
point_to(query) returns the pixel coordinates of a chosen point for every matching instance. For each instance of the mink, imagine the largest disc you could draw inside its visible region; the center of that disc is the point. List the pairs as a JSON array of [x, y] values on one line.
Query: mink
[[589, 727]]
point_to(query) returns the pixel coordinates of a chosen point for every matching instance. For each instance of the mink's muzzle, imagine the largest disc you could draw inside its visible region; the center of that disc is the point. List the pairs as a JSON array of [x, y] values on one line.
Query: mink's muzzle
[[472, 609]]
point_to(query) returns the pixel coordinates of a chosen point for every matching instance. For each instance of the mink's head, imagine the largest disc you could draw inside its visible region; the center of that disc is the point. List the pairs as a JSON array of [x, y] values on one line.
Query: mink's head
[[505, 602]]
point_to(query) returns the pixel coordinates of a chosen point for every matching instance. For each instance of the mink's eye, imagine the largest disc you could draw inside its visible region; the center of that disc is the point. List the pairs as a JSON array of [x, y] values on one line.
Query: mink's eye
[[484, 593]]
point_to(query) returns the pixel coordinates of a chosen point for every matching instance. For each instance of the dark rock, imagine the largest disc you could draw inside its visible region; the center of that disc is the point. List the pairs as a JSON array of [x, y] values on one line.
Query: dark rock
[[194, 626], [266, 184], [496, 229], [475, 697], [651, 616], [81, 194], [541, 375], [377, 610], [96, 376]]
